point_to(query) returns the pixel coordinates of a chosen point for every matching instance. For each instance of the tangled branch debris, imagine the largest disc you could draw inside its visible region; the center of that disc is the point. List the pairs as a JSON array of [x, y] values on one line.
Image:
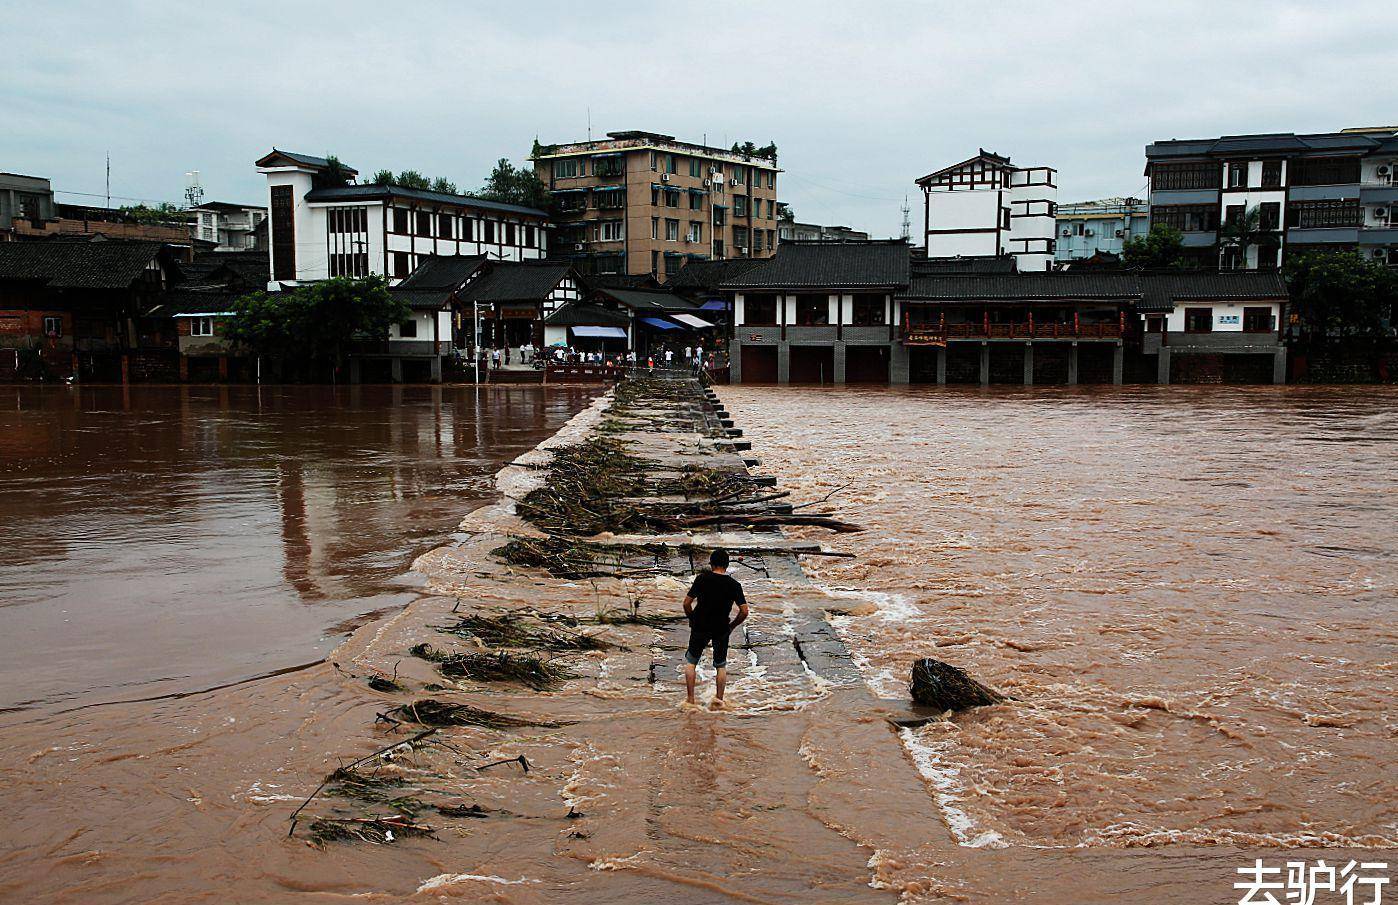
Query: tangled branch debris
[[374, 830], [512, 630], [533, 672], [432, 712]]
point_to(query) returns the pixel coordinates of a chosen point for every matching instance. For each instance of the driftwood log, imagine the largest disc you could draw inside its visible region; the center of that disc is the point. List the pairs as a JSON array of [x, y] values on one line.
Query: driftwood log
[[943, 687]]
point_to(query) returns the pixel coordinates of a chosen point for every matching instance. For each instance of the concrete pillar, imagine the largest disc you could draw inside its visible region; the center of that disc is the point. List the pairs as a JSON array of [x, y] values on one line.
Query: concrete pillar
[[941, 366], [1118, 359], [839, 375], [898, 363], [1072, 364], [436, 369], [735, 362], [223, 368], [184, 368], [395, 370], [1029, 364], [783, 362], [1279, 366], [354, 370], [1162, 366], [985, 364]]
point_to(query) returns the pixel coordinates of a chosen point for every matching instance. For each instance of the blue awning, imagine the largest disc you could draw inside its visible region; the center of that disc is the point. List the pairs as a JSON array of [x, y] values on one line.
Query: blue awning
[[714, 305], [660, 324], [698, 191], [599, 332], [607, 154], [609, 188]]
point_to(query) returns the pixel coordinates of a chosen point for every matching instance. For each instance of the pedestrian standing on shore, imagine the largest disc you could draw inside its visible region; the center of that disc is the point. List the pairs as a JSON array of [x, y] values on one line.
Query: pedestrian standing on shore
[[708, 606], [669, 357]]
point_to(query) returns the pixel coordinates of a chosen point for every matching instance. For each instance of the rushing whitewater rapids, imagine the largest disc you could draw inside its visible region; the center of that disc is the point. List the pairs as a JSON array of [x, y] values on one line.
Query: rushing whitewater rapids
[[1188, 593]]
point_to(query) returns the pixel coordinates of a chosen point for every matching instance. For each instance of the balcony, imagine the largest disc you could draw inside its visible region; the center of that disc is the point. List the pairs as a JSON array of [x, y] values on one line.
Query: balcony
[[940, 334]]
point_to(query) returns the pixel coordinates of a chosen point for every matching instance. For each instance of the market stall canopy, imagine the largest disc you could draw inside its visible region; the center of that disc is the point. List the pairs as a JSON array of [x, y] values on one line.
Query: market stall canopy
[[690, 320], [659, 324], [599, 332]]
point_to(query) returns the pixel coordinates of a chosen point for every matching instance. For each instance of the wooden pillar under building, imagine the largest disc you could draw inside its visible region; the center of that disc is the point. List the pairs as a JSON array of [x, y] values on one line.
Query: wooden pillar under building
[[985, 363], [1162, 366], [941, 366], [184, 368], [223, 368], [125, 368], [1029, 363], [1118, 360], [1073, 362]]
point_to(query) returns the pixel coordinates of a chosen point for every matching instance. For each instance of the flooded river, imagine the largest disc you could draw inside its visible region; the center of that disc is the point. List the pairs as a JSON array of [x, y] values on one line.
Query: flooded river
[[1188, 593], [159, 540]]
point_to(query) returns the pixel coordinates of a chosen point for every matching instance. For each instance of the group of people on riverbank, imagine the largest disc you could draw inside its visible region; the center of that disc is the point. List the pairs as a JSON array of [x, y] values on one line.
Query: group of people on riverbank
[[693, 357]]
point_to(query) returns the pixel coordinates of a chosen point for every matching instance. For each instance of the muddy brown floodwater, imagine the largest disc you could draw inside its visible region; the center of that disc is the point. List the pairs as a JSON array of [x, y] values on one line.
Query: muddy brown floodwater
[[1189, 594]]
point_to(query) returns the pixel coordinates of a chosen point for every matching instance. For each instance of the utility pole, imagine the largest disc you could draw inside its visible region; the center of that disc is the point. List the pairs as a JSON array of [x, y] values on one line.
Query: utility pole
[[109, 179]]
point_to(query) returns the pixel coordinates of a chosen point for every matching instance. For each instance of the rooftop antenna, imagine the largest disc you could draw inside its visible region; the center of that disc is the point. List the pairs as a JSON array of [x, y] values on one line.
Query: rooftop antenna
[[907, 223], [193, 191], [109, 179]]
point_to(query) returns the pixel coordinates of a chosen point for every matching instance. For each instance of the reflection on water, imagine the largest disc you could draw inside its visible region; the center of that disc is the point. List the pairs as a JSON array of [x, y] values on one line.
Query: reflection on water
[[160, 539]]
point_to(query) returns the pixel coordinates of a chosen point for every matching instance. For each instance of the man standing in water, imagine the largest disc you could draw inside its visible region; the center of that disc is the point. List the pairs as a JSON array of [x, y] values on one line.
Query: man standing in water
[[708, 603]]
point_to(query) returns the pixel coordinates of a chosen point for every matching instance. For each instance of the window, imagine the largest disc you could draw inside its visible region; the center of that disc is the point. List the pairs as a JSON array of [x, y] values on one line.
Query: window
[[1238, 175], [201, 326], [489, 231], [1188, 218], [740, 205], [1258, 320], [1198, 320], [607, 166], [696, 167], [655, 196], [400, 264], [672, 230], [812, 310], [737, 175], [610, 201], [756, 240], [424, 223], [468, 229], [696, 201], [674, 162], [1201, 175], [771, 179], [655, 227], [529, 237], [720, 214], [400, 221], [1079, 228], [511, 234], [696, 231], [868, 311], [1271, 174], [565, 169], [444, 226], [718, 249], [652, 159], [1329, 214], [347, 220], [740, 239], [349, 264], [654, 261], [609, 231], [759, 310], [407, 330], [53, 326], [1234, 213], [1324, 170], [1269, 215], [672, 197], [1267, 256]]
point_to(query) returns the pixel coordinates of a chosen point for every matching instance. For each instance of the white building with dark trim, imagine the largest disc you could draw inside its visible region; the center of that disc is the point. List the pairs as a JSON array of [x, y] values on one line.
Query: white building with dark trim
[[317, 230], [988, 206]]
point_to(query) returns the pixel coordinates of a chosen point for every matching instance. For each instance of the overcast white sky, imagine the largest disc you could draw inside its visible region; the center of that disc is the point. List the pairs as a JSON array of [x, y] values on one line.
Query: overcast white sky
[[861, 98]]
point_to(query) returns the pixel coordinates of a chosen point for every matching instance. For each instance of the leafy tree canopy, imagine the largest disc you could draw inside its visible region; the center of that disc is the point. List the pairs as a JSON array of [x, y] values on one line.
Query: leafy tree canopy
[[784, 212], [165, 212], [318, 321], [412, 179], [748, 149], [1160, 249], [515, 185], [1341, 294]]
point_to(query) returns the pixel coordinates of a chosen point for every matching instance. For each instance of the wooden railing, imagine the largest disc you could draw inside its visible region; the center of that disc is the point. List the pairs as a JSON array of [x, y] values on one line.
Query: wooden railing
[[937, 334]]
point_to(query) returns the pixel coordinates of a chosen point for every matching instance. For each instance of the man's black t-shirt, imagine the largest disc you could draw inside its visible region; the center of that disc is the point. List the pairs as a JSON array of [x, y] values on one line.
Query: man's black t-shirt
[[715, 596]]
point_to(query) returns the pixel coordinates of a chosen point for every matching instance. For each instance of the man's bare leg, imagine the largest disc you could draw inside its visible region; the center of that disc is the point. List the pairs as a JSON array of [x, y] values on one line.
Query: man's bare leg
[[689, 683], [719, 682]]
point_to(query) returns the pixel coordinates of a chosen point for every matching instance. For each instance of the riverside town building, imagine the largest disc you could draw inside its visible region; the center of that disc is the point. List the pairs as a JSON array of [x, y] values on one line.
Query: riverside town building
[[988, 206], [318, 231], [642, 203], [1333, 190]]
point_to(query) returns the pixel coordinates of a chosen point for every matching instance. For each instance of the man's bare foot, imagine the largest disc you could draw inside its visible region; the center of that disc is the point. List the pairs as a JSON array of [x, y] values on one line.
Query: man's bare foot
[[716, 704], [689, 702]]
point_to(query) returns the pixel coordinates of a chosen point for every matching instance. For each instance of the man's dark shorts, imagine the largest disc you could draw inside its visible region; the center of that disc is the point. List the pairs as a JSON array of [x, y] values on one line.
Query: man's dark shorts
[[700, 638]]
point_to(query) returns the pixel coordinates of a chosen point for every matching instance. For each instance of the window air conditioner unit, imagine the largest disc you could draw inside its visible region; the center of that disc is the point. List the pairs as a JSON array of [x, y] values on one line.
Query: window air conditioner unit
[[1067, 232], [713, 171], [1121, 234], [1381, 213], [664, 177], [1088, 232], [742, 249], [1385, 170], [708, 182], [733, 181], [1380, 253], [577, 246]]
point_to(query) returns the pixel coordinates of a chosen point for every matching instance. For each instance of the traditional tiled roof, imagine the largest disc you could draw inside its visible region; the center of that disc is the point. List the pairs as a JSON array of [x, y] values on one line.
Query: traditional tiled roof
[[422, 299], [1275, 143], [247, 270], [965, 264], [573, 315], [829, 265], [710, 274], [988, 157], [516, 281], [442, 272], [1161, 291], [389, 192], [189, 302], [269, 160], [642, 301], [78, 264], [1143, 291]]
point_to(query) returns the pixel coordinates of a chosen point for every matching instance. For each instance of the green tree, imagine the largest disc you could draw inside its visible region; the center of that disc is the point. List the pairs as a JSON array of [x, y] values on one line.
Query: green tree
[[785, 213], [444, 185], [1342, 293], [317, 323], [1160, 249], [1240, 233], [513, 185], [333, 176], [412, 179], [383, 177], [164, 212]]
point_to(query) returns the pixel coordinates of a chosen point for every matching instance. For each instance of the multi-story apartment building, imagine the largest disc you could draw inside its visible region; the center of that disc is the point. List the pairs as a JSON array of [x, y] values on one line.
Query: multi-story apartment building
[[643, 203], [1091, 227], [319, 230], [791, 231], [234, 227], [1296, 192], [988, 206]]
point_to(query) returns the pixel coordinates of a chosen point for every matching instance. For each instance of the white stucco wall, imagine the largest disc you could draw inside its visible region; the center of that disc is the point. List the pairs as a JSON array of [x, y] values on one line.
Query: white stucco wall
[[1228, 316]]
